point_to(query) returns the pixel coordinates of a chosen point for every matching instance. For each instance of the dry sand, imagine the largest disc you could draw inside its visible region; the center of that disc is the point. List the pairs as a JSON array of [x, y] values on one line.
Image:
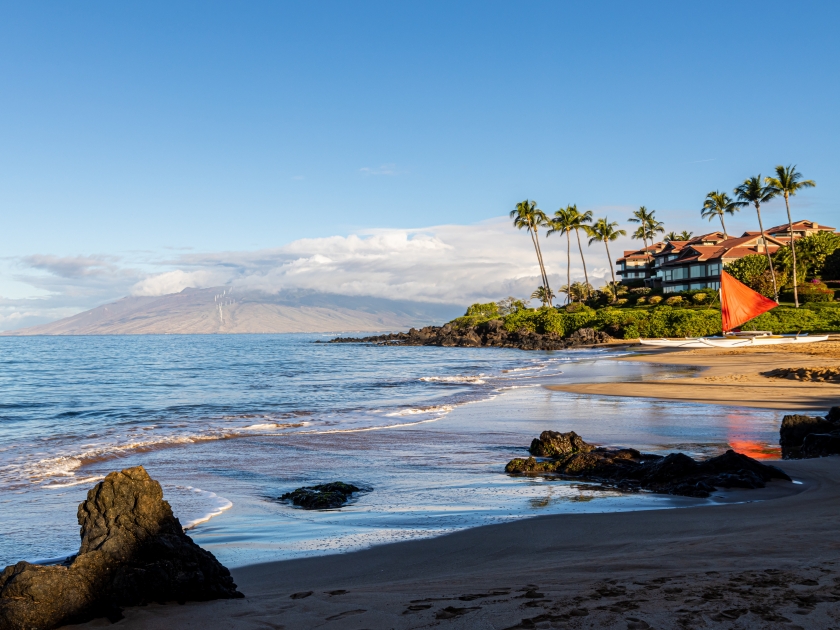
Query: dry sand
[[765, 559], [732, 377]]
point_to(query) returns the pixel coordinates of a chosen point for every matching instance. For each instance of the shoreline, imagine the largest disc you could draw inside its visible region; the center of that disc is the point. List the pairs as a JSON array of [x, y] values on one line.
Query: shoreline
[[766, 557], [604, 569], [730, 377]]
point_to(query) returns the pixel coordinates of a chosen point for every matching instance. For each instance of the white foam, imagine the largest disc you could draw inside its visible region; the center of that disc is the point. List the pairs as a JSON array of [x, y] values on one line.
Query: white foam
[[473, 380], [440, 409], [221, 505], [75, 482]]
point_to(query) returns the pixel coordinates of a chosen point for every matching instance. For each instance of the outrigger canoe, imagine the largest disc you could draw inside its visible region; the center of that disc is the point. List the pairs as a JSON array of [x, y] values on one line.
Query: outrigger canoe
[[738, 304]]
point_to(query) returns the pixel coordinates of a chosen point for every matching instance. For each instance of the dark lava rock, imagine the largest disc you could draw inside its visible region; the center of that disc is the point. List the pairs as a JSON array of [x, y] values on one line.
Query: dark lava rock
[[554, 444], [490, 333], [133, 552], [569, 457], [796, 432], [325, 496]]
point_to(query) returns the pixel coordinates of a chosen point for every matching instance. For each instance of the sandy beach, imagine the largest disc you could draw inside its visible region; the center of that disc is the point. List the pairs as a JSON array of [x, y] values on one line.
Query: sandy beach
[[732, 377], [758, 559]]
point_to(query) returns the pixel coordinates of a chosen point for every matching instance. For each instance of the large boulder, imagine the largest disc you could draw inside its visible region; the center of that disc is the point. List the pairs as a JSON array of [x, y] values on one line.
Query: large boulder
[[796, 430], [133, 552], [568, 456], [555, 444]]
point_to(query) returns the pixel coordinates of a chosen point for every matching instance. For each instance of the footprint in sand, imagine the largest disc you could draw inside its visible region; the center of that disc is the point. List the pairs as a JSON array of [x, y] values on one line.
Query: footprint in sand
[[416, 608], [450, 612], [300, 595], [346, 613]]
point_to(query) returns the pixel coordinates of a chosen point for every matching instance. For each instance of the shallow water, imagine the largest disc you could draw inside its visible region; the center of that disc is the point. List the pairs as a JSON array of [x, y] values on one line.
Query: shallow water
[[228, 423]]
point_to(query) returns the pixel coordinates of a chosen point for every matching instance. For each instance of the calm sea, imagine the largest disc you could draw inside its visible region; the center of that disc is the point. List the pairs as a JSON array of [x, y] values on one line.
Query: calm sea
[[228, 423]]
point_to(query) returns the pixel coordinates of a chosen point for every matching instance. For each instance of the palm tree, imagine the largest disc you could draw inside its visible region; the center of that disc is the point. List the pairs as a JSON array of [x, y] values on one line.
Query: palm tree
[[582, 221], [565, 220], [672, 236], [643, 216], [603, 230], [653, 226], [543, 295], [716, 205], [788, 182], [753, 192], [685, 235], [527, 215]]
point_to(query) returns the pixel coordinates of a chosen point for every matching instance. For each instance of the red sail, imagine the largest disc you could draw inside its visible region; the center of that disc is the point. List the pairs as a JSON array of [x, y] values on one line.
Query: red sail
[[739, 303]]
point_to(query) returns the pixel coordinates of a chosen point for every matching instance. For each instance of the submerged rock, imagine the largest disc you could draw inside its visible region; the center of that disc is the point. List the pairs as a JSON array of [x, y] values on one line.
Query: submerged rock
[[325, 496], [810, 436], [628, 469], [490, 333], [133, 552]]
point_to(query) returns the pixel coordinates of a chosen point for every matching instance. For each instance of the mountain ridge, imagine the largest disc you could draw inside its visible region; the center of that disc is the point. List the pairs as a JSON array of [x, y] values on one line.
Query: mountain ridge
[[223, 310]]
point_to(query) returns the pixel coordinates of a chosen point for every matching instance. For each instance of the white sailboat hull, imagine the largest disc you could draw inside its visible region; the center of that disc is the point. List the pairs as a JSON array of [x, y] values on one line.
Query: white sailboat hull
[[732, 342]]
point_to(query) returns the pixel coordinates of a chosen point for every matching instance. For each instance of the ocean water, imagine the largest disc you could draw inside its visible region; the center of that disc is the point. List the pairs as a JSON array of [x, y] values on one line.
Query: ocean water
[[228, 423]]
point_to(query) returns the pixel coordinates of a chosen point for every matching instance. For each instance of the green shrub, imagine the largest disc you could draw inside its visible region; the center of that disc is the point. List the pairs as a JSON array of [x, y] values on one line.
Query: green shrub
[[674, 300], [621, 302], [655, 299], [663, 321], [809, 292], [700, 298], [641, 299], [819, 318], [525, 319]]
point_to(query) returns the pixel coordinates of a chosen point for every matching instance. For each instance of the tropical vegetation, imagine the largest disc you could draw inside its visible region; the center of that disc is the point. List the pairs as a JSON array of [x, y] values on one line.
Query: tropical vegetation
[[795, 272]]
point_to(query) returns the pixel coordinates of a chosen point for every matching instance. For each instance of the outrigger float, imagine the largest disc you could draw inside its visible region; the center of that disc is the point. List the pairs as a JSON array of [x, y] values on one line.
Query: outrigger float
[[738, 304]]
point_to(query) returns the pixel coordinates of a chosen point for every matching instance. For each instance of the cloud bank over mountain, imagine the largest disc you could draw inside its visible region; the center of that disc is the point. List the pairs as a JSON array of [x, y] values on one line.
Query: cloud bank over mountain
[[458, 264]]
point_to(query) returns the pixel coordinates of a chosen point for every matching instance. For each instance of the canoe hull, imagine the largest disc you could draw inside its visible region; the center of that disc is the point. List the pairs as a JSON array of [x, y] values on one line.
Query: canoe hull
[[732, 342]]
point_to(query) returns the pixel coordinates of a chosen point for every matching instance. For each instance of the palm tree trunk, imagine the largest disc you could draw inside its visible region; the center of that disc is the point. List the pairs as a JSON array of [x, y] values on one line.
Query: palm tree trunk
[[767, 251], [609, 258], [723, 225], [545, 275], [585, 275], [568, 268], [539, 260], [793, 254]]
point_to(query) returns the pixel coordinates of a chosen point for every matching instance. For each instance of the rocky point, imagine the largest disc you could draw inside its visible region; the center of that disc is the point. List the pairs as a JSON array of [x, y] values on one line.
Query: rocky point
[[133, 551]]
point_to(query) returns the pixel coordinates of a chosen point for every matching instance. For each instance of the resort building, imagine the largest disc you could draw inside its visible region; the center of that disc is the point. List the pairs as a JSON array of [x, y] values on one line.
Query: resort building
[[637, 265], [696, 264], [800, 230]]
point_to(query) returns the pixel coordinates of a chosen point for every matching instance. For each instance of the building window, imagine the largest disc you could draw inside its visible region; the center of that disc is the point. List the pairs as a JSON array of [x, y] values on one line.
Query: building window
[[714, 269], [698, 271]]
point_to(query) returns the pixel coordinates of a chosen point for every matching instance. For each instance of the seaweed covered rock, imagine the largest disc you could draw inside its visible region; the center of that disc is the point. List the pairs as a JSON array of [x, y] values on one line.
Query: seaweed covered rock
[[133, 552], [323, 497], [810, 436], [554, 444], [568, 456]]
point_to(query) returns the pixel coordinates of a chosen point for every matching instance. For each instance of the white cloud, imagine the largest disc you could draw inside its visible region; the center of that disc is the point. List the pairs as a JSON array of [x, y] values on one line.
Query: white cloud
[[384, 169], [458, 264]]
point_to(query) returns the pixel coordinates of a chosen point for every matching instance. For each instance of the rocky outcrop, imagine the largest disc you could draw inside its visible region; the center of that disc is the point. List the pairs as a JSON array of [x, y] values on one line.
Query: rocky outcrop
[[568, 456], [133, 552], [810, 436], [487, 334], [818, 374], [323, 497]]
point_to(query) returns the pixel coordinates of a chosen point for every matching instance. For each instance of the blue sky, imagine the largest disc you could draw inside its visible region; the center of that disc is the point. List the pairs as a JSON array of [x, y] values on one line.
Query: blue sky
[[132, 133]]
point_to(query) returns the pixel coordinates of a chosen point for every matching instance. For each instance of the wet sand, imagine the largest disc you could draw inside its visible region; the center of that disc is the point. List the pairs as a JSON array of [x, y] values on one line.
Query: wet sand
[[731, 377], [765, 563]]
